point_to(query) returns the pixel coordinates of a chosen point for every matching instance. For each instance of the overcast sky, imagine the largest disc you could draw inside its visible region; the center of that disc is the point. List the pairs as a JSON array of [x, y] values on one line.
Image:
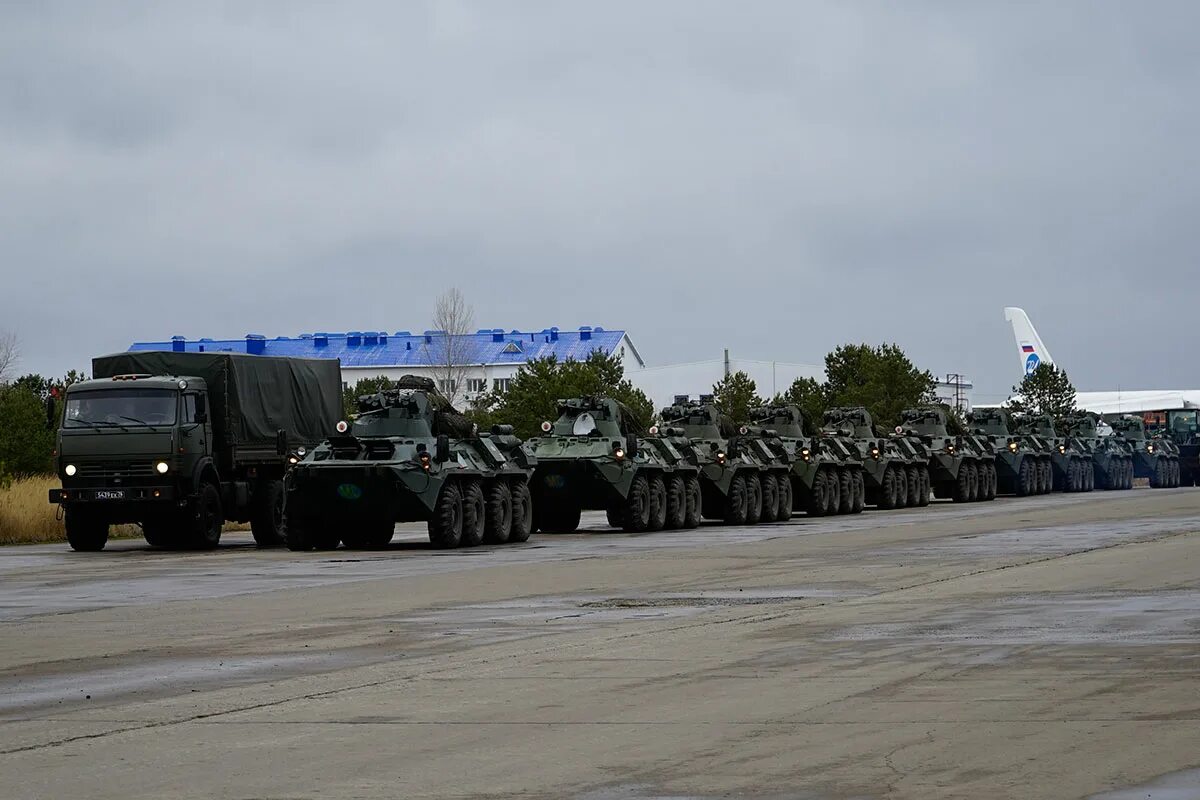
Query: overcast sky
[[776, 178]]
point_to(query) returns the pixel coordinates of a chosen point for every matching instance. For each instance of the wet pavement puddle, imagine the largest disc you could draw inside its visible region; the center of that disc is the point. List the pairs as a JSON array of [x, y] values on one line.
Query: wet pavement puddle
[[1183, 785]]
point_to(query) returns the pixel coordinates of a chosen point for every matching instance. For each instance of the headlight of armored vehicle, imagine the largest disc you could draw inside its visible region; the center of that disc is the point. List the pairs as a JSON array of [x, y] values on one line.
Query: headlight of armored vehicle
[[70, 470], [805, 453], [162, 467], [342, 426], [1062, 448], [720, 457], [950, 449], [1013, 446], [1149, 448]]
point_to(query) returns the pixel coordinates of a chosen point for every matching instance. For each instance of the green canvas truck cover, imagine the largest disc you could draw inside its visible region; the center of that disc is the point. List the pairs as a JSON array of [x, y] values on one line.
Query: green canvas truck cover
[[250, 397]]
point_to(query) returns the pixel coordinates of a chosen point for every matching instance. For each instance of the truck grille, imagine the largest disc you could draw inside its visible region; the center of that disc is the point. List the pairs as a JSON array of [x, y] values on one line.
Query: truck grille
[[116, 474]]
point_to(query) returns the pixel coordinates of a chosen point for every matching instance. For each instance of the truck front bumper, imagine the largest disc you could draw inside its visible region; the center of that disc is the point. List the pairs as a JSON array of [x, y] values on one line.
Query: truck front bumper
[[131, 494]]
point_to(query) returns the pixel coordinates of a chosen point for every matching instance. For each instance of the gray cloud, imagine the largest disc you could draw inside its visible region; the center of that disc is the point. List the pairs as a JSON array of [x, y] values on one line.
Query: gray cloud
[[776, 179]]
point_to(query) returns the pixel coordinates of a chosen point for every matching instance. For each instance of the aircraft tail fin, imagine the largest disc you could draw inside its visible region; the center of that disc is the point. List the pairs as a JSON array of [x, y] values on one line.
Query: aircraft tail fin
[[1030, 349]]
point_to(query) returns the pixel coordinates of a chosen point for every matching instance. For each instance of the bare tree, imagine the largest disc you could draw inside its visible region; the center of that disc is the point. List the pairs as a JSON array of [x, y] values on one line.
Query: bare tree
[[448, 354], [8, 355]]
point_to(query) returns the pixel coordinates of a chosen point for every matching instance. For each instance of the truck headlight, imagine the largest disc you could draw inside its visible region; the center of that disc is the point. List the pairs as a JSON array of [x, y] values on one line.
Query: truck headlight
[[162, 467], [70, 470]]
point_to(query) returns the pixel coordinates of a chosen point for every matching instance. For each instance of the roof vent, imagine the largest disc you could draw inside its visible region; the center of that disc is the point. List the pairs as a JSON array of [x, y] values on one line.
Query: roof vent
[[497, 334], [354, 338], [178, 344], [256, 344], [402, 333], [370, 337], [585, 333], [320, 340]]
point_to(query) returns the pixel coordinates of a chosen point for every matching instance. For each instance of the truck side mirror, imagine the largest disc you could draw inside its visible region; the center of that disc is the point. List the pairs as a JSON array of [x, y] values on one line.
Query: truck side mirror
[[631, 444], [201, 412], [281, 443], [441, 450], [51, 413]]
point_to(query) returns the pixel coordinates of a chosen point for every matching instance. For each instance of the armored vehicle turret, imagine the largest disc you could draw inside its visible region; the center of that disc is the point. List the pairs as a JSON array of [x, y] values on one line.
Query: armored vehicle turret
[[1023, 461], [1156, 459], [826, 474], [894, 469], [1111, 456], [740, 474], [409, 456], [961, 466], [595, 457], [1072, 469]]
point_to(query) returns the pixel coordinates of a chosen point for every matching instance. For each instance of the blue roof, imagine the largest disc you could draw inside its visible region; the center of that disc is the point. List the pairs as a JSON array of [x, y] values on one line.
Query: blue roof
[[401, 349]]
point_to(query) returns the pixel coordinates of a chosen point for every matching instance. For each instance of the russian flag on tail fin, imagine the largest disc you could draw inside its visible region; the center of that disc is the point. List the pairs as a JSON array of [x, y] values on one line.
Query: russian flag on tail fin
[[1026, 348]]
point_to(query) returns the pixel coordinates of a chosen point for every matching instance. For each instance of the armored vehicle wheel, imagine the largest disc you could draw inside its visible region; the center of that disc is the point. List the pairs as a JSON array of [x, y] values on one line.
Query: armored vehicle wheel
[[522, 513], [926, 486], [833, 492], [158, 533], [1047, 476], [637, 506], [785, 498], [302, 534], [369, 534], [86, 532], [694, 497], [973, 477], [1089, 478], [1024, 478], [770, 497], [474, 515], [735, 501], [993, 481], [658, 503], [845, 490], [859, 485], [676, 502], [1156, 478], [753, 500], [901, 485], [817, 499], [887, 489], [914, 486], [206, 519], [446, 524], [1130, 473], [1175, 473], [499, 513], [266, 518], [1075, 477], [553, 518], [616, 517], [962, 486]]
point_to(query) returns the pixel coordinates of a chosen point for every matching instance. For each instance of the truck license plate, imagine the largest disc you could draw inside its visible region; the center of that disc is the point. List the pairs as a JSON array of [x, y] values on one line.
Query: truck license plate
[[111, 495]]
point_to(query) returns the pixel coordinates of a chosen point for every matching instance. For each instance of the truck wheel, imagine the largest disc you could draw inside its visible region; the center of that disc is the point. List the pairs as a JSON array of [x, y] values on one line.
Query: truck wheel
[[816, 497], [266, 520], [446, 524], [887, 488], [676, 502], [522, 513], [658, 503], [914, 486], [770, 498], [753, 500], [206, 519], [637, 506], [499, 513], [735, 502], [695, 498], [901, 486], [783, 498], [859, 487], [86, 532], [845, 490], [474, 515]]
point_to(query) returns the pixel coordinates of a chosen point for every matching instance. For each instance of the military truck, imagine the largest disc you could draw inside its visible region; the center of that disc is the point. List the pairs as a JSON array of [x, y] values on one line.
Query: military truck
[[895, 470], [961, 466], [1022, 460], [1111, 456], [594, 456], [740, 474], [826, 474], [409, 456], [1071, 467], [1155, 459], [178, 443], [1183, 428]]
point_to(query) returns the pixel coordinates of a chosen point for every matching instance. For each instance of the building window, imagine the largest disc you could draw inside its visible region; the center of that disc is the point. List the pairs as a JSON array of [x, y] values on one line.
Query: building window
[[448, 386], [500, 385], [476, 385]]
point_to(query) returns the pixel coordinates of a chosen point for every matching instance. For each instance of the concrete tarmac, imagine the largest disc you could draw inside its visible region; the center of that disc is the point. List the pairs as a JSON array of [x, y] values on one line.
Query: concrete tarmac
[[1026, 648]]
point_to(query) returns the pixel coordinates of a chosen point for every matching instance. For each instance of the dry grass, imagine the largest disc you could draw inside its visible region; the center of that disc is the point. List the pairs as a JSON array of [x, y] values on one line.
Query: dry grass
[[27, 516]]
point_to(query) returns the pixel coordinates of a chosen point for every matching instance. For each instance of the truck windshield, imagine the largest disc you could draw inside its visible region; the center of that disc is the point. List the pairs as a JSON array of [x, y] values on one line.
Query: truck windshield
[[121, 407]]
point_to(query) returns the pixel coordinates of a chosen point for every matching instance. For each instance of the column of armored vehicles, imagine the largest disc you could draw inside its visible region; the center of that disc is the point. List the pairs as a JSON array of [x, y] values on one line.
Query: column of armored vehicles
[[179, 443]]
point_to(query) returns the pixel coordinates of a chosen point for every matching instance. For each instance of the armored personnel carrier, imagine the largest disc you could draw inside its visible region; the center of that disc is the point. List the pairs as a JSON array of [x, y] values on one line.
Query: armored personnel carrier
[[1022, 461], [961, 467], [1156, 459], [894, 469], [1111, 456], [592, 457], [1071, 467], [740, 474], [409, 456], [826, 475], [1183, 428]]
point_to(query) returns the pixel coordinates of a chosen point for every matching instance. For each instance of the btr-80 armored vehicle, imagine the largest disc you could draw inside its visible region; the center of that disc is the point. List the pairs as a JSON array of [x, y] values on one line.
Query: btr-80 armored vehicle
[[826, 476], [593, 458], [740, 474], [961, 467], [1183, 428], [1071, 466], [1111, 456], [895, 471], [409, 456], [1156, 459], [1022, 460]]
